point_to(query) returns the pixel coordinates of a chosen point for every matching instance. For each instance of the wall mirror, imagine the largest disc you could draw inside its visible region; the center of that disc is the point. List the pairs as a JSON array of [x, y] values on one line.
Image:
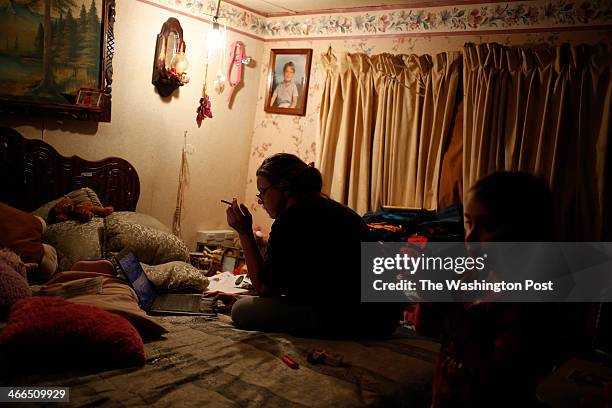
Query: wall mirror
[[170, 64]]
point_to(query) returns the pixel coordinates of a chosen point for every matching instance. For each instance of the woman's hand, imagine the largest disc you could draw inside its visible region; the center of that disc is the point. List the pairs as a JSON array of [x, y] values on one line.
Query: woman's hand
[[227, 299], [239, 218]]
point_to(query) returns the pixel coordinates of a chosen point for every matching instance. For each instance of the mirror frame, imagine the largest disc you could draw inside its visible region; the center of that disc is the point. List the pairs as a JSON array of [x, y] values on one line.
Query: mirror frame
[[166, 86]]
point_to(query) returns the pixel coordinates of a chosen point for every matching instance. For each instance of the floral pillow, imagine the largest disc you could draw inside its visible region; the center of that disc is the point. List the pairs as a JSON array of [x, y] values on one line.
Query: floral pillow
[[176, 276], [138, 218], [150, 245], [75, 241]]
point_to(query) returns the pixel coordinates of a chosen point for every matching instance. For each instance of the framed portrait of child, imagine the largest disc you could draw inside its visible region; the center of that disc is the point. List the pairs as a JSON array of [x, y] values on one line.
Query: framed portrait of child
[[287, 89]]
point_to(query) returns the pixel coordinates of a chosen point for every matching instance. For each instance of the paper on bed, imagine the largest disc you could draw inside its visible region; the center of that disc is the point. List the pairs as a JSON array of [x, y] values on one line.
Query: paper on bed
[[224, 282]]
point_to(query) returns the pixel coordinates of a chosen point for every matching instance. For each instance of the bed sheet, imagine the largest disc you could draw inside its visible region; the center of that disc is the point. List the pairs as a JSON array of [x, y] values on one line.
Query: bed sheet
[[207, 362]]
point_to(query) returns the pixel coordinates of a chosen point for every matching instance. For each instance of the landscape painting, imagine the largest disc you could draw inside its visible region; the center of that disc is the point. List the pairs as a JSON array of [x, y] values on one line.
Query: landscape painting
[[49, 49]]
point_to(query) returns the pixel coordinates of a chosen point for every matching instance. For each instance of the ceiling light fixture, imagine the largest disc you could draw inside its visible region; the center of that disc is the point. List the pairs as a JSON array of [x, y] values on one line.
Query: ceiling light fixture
[[215, 36]]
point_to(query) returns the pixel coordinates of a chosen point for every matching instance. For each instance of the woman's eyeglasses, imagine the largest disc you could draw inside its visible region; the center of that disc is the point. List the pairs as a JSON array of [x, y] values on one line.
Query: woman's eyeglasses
[[263, 192]]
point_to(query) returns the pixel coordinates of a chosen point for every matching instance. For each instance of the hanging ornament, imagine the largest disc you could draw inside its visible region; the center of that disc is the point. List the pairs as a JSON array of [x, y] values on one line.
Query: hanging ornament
[[219, 83], [180, 194], [204, 108], [238, 58]]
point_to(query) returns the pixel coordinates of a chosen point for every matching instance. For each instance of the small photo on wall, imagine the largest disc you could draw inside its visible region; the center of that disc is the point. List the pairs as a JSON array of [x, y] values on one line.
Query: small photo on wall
[[89, 97], [287, 91]]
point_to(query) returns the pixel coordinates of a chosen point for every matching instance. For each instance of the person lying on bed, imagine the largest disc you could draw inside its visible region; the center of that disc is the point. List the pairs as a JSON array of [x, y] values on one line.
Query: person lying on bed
[[494, 354], [308, 281]]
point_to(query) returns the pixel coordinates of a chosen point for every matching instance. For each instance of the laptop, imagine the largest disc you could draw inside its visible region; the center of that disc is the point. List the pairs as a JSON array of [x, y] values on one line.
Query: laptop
[[160, 303]]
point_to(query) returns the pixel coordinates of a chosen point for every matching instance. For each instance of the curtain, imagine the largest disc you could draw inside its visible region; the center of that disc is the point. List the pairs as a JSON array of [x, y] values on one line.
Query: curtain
[[384, 121], [546, 111], [450, 191], [346, 126]]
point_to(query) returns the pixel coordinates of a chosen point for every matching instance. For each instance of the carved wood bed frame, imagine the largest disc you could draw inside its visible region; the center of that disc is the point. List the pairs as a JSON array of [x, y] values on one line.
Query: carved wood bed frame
[[33, 173]]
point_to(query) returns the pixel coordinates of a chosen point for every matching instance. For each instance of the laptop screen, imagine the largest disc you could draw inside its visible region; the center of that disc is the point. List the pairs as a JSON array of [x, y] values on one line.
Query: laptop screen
[[136, 275]]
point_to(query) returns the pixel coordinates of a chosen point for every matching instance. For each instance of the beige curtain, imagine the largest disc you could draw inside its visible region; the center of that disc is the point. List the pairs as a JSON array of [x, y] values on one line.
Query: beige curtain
[[383, 123], [545, 111], [450, 190], [346, 126]]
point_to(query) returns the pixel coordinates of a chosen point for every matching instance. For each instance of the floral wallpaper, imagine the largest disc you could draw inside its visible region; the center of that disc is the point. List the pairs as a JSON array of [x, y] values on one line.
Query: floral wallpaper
[[298, 134], [475, 17], [411, 30], [446, 19]]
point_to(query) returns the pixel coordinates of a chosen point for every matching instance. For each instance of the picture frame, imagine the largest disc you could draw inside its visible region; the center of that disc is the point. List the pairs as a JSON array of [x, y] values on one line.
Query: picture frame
[[42, 74], [229, 260], [90, 97], [228, 264], [288, 79]]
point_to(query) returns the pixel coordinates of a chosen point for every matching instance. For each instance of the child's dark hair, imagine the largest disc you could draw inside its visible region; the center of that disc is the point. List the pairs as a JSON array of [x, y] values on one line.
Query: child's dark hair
[[520, 200], [289, 64], [289, 173]]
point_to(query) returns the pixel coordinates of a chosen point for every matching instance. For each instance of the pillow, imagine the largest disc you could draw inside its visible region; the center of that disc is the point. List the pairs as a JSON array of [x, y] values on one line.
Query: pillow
[[176, 276], [13, 287], [80, 195], [138, 218], [150, 246], [45, 209], [75, 241], [21, 232], [14, 261], [85, 194], [44, 332], [48, 264], [106, 292]]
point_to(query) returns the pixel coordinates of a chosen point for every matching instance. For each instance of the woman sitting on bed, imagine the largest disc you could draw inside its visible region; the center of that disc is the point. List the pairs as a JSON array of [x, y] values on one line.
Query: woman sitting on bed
[[309, 278]]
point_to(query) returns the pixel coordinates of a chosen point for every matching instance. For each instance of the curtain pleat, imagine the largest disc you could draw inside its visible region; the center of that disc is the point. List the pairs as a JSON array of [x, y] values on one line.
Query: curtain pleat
[[545, 111], [385, 121], [383, 124], [450, 190]]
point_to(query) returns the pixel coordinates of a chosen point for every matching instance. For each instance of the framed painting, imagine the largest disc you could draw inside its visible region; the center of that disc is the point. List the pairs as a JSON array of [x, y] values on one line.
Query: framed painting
[[287, 88], [50, 50]]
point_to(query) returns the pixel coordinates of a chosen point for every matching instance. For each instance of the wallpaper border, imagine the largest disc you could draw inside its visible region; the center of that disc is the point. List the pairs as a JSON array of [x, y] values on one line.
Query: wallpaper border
[[463, 19]]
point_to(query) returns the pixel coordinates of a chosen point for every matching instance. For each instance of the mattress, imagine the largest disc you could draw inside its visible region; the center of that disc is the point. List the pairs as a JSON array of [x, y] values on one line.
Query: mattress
[[207, 362]]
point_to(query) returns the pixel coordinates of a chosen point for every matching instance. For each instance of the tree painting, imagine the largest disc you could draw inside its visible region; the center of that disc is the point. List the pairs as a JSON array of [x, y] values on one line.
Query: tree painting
[[53, 48]]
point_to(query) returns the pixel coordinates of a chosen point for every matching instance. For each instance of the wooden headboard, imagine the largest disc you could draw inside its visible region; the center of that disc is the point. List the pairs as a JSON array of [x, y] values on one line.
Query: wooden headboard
[[33, 173]]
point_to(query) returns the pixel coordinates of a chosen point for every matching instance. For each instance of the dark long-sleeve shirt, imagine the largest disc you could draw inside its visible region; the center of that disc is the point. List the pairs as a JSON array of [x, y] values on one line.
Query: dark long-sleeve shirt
[[313, 257], [314, 251]]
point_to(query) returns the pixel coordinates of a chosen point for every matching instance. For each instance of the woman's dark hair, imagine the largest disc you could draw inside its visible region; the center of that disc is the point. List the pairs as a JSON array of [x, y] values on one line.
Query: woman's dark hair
[[519, 200], [289, 173]]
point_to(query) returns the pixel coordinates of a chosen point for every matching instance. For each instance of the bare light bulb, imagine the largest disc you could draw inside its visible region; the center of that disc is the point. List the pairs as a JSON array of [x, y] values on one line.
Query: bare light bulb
[[179, 61], [215, 37]]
